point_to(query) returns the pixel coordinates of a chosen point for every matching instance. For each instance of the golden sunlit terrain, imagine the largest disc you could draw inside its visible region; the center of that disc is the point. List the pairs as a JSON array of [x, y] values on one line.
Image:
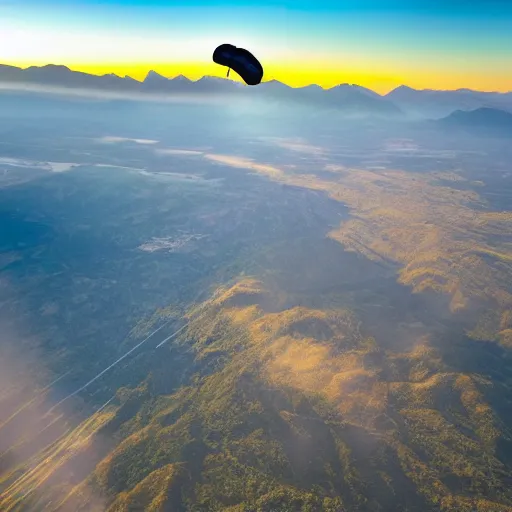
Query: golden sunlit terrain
[[301, 393], [443, 239]]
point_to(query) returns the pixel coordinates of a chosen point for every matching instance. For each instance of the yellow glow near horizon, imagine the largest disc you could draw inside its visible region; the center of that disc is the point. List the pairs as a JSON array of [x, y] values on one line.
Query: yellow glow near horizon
[[296, 75], [127, 54]]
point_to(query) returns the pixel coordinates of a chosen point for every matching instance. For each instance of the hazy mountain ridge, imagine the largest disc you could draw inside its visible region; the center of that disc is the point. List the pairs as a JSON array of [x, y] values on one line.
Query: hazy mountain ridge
[[442, 103], [353, 97], [481, 118]]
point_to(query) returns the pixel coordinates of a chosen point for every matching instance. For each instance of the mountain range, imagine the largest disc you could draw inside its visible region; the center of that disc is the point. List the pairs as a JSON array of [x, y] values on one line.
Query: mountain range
[[433, 103], [488, 120], [349, 97]]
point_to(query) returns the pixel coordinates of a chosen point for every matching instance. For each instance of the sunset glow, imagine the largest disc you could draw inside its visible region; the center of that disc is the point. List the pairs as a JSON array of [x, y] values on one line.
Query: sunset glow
[[375, 44]]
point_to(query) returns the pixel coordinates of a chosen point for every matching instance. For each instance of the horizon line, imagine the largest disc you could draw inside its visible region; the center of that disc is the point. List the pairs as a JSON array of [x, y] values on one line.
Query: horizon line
[[241, 82]]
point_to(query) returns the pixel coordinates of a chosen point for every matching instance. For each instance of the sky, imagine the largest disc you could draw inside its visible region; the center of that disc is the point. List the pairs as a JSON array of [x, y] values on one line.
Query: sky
[[379, 44]]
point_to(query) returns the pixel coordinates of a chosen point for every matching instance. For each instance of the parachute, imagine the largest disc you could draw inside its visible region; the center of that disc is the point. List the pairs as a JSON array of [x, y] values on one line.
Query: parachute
[[241, 61]]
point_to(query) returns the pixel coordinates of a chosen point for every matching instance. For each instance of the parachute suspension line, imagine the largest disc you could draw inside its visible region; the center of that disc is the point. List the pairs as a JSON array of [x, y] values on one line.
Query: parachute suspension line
[[229, 69]]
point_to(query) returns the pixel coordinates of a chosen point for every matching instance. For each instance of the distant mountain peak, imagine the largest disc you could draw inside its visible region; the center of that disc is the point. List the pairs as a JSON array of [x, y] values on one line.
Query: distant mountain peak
[[54, 67], [483, 113], [181, 78], [210, 78], [153, 75], [356, 88], [346, 88], [311, 88], [401, 91], [50, 69], [276, 83], [485, 117]]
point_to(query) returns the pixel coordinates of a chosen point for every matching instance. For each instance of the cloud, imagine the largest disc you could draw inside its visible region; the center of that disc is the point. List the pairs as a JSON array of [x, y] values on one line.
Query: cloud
[[297, 145], [32, 164], [62, 166], [27, 428], [184, 152], [245, 163], [229, 160], [301, 147], [400, 145], [334, 167], [113, 140], [111, 166]]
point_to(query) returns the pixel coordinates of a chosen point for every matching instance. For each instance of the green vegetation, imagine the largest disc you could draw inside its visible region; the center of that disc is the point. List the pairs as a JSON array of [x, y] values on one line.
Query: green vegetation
[[291, 409]]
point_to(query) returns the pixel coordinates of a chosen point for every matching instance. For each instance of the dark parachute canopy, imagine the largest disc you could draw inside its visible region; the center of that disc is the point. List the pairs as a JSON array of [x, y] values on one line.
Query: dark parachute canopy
[[241, 61]]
